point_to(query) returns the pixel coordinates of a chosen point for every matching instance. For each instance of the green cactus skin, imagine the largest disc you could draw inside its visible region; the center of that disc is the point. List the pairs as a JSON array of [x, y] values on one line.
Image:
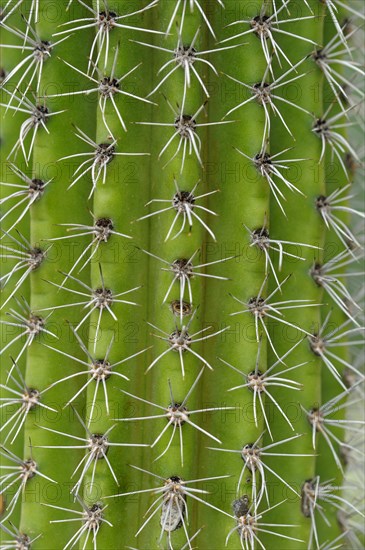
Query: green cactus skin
[[242, 199], [326, 468], [302, 213], [128, 182], [9, 134], [51, 210], [246, 203]]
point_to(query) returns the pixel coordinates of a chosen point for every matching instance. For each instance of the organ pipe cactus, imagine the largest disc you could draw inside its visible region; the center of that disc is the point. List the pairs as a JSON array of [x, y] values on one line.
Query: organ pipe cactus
[[182, 257]]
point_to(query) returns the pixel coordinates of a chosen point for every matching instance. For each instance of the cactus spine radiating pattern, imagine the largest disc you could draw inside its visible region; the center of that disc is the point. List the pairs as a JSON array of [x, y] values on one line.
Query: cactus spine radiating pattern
[[182, 255]]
